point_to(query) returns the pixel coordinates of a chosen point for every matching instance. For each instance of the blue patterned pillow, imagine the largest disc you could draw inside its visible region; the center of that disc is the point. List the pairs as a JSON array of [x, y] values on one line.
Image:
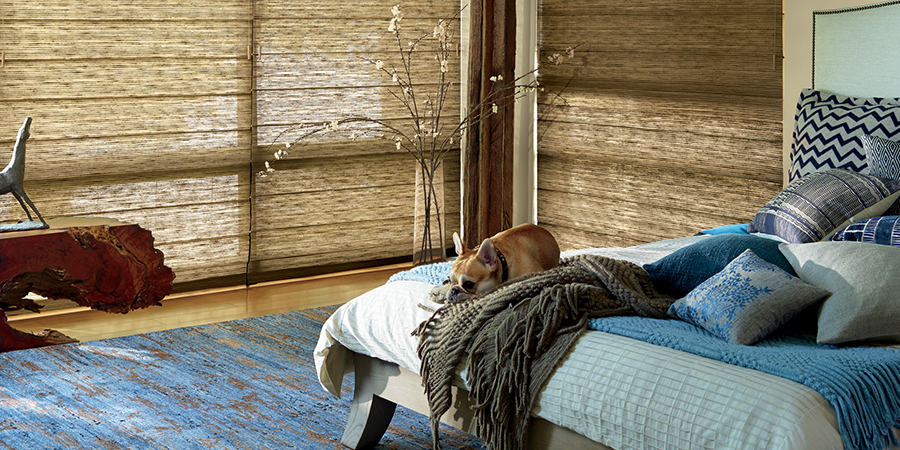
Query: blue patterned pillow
[[682, 270], [828, 130], [877, 230], [883, 156], [747, 300], [813, 207]]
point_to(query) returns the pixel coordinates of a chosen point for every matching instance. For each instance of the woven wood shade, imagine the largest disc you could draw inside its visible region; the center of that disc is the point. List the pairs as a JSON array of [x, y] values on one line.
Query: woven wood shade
[[160, 112], [672, 120], [334, 201]]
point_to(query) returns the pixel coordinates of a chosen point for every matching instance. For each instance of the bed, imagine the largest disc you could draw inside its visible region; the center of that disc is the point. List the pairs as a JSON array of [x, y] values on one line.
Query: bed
[[628, 383]]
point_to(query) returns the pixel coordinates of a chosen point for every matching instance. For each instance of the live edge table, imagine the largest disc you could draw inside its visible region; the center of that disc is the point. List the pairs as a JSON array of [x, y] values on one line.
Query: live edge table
[[96, 262]]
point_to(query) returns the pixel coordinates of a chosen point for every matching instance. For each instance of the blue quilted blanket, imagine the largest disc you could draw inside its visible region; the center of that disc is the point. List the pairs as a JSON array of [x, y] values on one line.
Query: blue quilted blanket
[[430, 273], [862, 383]]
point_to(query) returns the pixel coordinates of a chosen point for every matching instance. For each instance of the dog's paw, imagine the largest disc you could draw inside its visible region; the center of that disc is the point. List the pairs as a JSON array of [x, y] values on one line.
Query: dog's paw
[[439, 293]]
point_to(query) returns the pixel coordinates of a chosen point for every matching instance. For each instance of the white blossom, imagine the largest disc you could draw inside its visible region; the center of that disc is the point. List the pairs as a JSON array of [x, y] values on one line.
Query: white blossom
[[379, 64], [394, 26]]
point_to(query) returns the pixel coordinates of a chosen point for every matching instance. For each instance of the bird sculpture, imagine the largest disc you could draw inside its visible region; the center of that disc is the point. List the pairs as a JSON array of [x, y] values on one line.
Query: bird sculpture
[[12, 180]]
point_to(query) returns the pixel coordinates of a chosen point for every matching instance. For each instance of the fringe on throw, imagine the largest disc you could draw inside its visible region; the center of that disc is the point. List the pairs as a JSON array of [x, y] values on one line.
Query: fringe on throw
[[516, 335]]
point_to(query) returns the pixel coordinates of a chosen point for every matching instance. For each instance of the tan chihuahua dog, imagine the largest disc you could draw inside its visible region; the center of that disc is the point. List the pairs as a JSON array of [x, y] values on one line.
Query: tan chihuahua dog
[[509, 254]]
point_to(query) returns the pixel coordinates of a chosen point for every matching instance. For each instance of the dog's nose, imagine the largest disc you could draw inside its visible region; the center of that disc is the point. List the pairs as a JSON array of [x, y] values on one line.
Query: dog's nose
[[456, 294]]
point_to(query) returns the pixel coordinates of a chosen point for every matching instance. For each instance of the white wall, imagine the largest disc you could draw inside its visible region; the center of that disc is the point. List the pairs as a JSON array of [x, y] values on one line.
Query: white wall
[[525, 139], [798, 55]]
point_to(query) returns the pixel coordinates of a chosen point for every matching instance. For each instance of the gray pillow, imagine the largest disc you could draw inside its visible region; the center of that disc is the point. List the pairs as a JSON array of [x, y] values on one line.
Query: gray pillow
[[863, 279]]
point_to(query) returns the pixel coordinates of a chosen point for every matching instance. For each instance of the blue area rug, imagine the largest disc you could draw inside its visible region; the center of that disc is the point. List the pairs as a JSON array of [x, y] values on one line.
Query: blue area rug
[[245, 384]]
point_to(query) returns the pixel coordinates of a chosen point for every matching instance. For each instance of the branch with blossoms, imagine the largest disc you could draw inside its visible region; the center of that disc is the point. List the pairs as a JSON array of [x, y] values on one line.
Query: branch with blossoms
[[429, 137], [424, 110], [426, 114]]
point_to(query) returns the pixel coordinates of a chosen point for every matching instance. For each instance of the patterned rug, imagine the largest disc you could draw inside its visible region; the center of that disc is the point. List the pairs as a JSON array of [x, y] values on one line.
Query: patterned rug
[[245, 384]]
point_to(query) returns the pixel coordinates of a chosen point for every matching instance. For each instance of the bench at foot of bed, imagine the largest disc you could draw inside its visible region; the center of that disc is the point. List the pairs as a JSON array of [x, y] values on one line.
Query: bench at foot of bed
[[380, 386]]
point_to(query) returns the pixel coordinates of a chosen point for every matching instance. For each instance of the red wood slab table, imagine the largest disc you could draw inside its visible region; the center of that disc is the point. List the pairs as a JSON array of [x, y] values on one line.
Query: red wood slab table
[[96, 262]]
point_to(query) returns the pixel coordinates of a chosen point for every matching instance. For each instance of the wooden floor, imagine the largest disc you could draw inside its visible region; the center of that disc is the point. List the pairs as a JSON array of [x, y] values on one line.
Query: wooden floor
[[198, 308]]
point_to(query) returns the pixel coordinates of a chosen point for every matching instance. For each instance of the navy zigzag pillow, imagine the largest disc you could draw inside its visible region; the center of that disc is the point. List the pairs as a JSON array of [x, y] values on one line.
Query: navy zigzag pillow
[[828, 131]]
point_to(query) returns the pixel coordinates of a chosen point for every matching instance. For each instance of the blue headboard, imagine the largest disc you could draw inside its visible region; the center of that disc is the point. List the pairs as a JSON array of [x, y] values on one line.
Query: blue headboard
[[856, 51]]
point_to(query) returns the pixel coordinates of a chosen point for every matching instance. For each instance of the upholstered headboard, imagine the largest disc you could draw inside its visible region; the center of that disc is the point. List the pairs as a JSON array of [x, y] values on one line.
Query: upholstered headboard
[[851, 90], [856, 51], [869, 51]]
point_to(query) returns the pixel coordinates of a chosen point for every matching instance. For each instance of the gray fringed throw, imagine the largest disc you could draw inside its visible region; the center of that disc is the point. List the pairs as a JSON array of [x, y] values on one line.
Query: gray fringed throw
[[516, 335]]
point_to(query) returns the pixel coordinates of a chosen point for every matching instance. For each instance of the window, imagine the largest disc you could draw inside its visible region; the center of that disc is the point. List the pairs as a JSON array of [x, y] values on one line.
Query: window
[[159, 113]]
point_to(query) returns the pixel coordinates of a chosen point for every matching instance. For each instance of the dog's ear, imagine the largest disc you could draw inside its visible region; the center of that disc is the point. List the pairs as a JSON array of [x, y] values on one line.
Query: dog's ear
[[460, 248], [487, 254]]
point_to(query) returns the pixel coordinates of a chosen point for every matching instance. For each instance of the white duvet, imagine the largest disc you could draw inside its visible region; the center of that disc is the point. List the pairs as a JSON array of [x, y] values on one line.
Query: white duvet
[[620, 392]]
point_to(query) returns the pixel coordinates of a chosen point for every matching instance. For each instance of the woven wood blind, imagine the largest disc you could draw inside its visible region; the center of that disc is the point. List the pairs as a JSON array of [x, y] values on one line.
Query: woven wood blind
[[335, 201], [672, 120], [140, 113], [145, 111]]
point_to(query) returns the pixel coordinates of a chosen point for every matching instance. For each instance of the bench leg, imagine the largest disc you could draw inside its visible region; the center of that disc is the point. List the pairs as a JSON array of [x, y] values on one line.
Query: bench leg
[[370, 415]]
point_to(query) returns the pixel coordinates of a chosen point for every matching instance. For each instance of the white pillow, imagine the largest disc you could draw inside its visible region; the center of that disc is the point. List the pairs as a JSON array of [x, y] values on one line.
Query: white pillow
[[864, 280]]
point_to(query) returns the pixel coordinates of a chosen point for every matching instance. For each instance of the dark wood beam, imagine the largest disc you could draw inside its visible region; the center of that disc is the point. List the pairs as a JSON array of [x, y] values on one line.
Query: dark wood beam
[[487, 201]]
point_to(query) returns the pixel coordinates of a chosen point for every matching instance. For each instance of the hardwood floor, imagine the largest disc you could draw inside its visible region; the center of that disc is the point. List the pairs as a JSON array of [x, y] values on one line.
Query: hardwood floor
[[198, 308]]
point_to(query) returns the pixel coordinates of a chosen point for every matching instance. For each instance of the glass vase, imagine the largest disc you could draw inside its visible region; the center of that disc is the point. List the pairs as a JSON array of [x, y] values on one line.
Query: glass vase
[[429, 224]]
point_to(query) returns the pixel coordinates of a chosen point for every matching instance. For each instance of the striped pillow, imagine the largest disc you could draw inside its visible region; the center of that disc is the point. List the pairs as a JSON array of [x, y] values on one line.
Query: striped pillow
[[813, 207], [877, 230]]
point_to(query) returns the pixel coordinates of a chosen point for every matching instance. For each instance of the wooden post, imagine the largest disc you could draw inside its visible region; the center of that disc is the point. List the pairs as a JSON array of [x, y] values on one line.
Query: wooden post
[[487, 202]]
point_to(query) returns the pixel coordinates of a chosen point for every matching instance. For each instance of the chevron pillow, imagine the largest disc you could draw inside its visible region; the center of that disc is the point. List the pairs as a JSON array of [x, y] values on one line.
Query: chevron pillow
[[815, 206], [828, 130]]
